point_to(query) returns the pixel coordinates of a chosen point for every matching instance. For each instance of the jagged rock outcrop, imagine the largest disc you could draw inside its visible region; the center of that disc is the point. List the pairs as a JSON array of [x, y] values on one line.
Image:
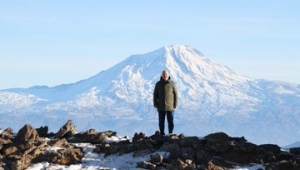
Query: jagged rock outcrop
[[27, 148], [216, 151]]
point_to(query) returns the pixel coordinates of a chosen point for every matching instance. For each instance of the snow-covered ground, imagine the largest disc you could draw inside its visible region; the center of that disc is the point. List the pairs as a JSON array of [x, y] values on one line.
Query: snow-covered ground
[[94, 161], [212, 98]]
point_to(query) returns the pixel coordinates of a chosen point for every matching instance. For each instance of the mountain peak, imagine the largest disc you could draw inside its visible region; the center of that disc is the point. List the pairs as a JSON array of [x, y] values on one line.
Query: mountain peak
[[178, 47], [211, 97], [185, 61]]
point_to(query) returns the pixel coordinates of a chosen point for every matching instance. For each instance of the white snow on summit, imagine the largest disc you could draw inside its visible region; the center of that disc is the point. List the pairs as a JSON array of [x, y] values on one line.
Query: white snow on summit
[[212, 98]]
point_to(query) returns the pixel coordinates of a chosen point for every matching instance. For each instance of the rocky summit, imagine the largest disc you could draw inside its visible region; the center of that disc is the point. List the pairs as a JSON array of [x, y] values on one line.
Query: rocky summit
[[216, 151]]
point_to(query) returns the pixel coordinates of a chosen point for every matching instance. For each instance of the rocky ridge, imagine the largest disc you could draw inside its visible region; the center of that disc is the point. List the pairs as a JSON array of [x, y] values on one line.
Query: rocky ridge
[[216, 151]]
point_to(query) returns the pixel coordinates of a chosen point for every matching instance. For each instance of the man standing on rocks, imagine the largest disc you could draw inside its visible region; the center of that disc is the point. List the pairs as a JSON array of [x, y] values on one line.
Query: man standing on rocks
[[165, 99]]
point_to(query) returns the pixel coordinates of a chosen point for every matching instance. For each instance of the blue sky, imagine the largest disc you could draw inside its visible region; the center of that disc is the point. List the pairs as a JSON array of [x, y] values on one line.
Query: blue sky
[[58, 42]]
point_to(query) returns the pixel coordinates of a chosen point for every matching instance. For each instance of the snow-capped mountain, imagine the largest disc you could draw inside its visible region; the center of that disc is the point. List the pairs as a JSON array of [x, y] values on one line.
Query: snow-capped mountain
[[211, 98]]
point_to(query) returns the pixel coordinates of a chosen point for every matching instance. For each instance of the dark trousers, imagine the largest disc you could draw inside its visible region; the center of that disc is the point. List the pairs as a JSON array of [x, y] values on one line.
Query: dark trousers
[[161, 116]]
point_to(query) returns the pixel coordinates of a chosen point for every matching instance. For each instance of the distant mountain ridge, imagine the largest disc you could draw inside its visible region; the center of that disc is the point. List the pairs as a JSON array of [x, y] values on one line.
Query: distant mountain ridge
[[212, 98]]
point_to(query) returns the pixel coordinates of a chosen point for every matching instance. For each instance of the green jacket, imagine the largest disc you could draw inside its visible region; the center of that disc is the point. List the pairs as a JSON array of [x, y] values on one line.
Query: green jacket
[[165, 96]]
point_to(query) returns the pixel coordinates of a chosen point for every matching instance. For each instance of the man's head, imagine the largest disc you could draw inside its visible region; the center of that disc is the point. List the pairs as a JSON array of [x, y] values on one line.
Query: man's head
[[165, 75]]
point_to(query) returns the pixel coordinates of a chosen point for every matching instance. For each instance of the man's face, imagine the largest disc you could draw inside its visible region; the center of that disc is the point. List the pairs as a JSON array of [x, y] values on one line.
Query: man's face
[[165, 75]]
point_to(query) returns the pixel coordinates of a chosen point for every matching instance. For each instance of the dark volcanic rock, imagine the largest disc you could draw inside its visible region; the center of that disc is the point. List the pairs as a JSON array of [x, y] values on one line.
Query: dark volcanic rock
[[216, 151], [27, 148]]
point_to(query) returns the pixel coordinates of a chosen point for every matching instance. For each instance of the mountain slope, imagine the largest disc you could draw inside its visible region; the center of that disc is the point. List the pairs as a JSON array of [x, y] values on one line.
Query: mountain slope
[[212, 98]]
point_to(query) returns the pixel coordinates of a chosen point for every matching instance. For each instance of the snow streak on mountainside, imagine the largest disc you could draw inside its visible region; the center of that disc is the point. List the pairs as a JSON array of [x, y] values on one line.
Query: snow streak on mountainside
[[211, 98]]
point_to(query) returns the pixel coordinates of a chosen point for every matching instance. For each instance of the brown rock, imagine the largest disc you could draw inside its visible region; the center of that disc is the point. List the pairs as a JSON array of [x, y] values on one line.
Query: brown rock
[[27, 134], [10, 150], [67, 130]]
